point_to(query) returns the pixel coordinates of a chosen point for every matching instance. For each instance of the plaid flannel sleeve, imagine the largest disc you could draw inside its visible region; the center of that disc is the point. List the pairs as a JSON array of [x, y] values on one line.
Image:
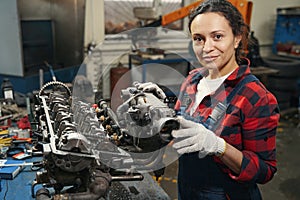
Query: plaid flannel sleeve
[[261, 115]]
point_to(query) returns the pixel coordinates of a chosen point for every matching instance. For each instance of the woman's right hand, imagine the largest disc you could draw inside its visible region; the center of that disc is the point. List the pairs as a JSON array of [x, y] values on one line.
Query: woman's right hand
[[151, 87]]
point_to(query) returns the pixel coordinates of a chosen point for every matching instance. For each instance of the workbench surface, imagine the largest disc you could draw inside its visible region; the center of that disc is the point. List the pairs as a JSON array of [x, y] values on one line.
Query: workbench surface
[[20, 187]]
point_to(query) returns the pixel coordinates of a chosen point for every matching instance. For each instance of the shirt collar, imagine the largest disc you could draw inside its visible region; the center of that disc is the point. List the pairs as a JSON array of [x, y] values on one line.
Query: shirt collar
[[242, 70]]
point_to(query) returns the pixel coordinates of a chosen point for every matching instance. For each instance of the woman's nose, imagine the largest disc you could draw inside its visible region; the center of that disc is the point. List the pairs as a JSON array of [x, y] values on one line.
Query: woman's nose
[[208, 46]]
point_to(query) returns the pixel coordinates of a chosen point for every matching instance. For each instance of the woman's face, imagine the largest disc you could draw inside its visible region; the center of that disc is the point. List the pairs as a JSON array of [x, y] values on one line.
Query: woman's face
[[214, 43]]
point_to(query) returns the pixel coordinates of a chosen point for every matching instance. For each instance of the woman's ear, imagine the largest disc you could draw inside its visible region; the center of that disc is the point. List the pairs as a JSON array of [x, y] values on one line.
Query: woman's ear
[[237, 41]]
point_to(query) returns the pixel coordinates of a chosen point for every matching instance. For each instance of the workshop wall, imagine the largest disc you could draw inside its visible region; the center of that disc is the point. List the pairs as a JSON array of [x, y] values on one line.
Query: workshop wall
[[35, 31], [65, 32], [10, 46]]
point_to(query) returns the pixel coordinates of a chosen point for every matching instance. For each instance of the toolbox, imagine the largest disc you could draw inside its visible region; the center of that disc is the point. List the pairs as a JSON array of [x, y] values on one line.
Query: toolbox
[[287, 37]]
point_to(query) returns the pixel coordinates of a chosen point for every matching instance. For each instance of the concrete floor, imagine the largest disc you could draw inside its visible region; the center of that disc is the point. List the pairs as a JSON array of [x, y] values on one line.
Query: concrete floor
[[286, 183]]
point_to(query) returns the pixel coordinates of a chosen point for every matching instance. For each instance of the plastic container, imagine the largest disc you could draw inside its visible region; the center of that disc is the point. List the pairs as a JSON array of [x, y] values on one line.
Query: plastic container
[[7, 89]]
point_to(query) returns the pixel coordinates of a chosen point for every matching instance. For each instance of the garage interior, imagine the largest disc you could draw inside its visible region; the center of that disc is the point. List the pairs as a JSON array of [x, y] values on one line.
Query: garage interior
[[92, 50]]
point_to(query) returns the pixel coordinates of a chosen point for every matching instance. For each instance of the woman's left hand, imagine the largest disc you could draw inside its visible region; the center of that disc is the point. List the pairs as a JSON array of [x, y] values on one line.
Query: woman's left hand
[[193, 137]]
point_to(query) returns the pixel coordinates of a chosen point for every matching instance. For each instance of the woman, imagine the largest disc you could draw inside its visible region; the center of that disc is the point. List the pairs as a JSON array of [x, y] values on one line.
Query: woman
[[229, 119]]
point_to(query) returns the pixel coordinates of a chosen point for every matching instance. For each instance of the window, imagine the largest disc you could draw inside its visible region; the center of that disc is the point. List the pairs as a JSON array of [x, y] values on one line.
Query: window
[[120, 15]]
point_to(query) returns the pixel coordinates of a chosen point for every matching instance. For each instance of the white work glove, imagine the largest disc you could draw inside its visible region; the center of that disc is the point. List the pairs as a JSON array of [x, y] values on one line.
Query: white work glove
[[151, 87], [193, 137]]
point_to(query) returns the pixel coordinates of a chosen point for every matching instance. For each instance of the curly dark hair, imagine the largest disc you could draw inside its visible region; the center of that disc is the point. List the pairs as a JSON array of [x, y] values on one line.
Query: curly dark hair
[[231, 13]]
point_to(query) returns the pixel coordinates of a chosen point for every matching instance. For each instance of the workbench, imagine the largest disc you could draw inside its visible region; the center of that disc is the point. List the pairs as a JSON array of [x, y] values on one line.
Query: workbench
[[20, 187], [147, 189]]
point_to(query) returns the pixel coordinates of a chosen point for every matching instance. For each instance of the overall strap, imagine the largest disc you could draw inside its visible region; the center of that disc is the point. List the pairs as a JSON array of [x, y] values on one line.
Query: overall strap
[[214, 120], [249, 78]]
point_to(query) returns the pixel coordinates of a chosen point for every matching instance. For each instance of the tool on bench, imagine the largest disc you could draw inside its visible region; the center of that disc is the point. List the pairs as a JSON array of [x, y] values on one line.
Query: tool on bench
[[3, 118], [34, 165]]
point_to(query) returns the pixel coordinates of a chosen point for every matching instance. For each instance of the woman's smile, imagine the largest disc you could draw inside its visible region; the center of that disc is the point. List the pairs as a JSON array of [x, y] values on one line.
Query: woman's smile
[[209, 59]]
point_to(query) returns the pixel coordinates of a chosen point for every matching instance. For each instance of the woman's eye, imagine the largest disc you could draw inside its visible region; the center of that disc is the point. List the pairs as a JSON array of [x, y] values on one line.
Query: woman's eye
[[218, 36], [198, 39]]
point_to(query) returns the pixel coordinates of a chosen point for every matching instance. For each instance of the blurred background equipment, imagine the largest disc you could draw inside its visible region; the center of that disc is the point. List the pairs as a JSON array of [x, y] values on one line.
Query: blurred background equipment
[[286, 58], [254, 52], [157, 18], [286, 37], [7, 89]]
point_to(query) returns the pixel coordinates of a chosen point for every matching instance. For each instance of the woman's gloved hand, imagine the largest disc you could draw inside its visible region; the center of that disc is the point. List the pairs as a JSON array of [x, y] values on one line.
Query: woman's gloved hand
[[151, 87], [193, 137]]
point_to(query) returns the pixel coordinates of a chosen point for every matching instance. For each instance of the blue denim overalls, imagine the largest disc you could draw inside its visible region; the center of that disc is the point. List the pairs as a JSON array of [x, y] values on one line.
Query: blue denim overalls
[[202, 178]]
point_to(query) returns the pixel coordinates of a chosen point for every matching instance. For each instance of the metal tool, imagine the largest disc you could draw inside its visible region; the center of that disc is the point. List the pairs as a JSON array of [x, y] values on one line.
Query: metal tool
[[17, 164], [51, 70], [3, 118]]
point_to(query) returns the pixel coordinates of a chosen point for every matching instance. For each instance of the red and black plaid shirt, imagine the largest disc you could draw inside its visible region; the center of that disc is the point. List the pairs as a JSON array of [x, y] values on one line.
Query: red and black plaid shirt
[[249, 125]]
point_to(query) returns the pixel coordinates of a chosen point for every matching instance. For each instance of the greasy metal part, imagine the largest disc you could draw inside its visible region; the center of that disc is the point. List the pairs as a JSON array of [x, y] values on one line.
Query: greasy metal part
[[95, 190], [147, 119], [52, 137], [68, 161], [128, 178], [43, 194], [85, 147], [54, 83], [77, 148]]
